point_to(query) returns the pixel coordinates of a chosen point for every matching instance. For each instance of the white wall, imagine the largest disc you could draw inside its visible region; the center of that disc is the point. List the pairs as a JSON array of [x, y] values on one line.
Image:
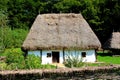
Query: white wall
[[90, 55], [36, 53], [46, 60]]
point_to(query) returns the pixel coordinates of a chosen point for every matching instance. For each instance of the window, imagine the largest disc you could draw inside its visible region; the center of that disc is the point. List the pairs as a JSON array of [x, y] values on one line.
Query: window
[[48, 54], [83, 54]]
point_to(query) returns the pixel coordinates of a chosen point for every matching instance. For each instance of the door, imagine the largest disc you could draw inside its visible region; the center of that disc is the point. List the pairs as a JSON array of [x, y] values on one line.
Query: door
[[55, 57]]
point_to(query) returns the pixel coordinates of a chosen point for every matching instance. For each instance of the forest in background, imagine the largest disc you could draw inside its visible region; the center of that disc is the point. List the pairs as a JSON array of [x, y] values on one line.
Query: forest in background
[[17, 16]]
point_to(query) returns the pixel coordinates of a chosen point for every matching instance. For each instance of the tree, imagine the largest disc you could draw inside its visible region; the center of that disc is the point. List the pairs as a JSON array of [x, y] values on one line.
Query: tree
[[67, 6], [110, 10], [102, 15]]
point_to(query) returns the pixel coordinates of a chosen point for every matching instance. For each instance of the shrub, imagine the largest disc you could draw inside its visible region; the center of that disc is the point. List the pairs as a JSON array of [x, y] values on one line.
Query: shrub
[[3, 66], [15, 59], [33, 62], [73, 60], [18, 36], [12, 38]]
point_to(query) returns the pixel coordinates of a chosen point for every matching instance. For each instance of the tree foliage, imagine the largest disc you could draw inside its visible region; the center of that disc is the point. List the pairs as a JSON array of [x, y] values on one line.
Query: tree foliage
[[13, 38], [102, 15]]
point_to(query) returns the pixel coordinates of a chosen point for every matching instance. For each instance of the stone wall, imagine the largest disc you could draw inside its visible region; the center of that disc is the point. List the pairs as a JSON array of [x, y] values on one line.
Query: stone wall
[[106, 72]]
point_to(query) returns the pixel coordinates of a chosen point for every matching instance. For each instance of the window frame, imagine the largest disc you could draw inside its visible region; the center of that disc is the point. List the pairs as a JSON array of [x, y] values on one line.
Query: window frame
[[83, 54], [49, 55]]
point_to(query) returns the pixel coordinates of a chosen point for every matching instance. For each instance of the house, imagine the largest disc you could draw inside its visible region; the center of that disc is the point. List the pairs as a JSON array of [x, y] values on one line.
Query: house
[[113, 42], [55, 36]]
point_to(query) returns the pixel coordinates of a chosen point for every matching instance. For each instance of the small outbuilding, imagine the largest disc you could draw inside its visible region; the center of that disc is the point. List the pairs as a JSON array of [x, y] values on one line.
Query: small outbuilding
[[54, 36], [113, 43]]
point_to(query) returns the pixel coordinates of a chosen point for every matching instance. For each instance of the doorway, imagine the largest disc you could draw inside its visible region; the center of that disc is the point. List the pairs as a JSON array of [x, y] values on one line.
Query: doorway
[[55, 57]]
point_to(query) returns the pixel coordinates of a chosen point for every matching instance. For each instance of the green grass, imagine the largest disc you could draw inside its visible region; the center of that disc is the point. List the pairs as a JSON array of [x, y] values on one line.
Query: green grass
[[109, 59]]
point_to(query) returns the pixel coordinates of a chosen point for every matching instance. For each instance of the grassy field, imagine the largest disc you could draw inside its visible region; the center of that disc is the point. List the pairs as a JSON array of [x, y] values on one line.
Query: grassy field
[[107, 57]]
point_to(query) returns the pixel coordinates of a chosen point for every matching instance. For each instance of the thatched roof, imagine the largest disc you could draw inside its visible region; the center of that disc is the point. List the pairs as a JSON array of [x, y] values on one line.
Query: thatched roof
[[58, 31], [113, 42]]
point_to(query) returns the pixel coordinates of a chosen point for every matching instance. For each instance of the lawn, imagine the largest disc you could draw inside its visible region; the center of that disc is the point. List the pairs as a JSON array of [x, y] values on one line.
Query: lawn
[[109, 59]]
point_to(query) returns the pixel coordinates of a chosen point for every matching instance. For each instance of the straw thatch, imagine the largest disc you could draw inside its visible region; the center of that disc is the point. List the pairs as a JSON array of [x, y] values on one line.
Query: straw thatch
[[58, 31], [113, 42]]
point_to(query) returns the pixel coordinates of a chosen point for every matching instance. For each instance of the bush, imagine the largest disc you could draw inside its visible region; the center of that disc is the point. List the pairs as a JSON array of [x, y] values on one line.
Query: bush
[[3, 66], [12, 38], [15, 59], [33, 62], [18, 36], [73, 60]]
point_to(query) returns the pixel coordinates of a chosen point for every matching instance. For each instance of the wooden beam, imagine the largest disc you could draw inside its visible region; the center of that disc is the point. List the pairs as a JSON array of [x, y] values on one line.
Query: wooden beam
[[41, 54], [63, 54]]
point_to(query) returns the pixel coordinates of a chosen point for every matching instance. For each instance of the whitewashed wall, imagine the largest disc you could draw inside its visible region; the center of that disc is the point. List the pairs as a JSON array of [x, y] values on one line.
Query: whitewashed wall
[[46, 60], [90, 55], [36, 53]]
